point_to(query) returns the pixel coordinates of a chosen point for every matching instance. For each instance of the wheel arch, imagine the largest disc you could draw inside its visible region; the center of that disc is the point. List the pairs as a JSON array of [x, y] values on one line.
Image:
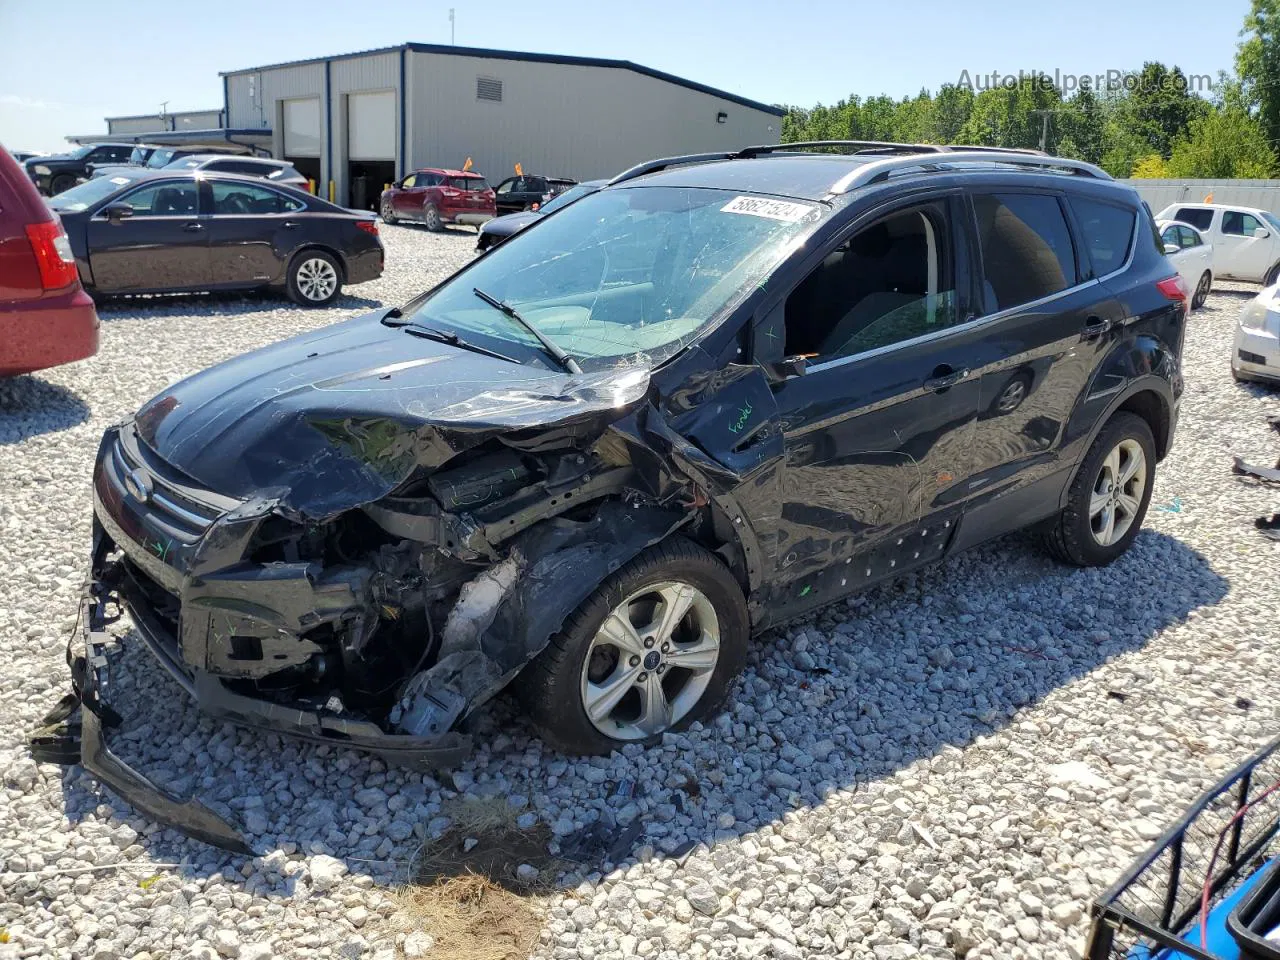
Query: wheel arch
[[323, 248], [1149, 398]]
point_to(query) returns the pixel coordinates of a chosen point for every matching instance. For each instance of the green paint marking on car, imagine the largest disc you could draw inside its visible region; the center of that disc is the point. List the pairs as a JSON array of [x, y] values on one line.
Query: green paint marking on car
[[744, 415]]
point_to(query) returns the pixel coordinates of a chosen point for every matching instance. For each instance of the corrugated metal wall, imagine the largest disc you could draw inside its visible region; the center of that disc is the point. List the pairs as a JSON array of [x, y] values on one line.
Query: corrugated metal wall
[[1264, 194], [196, 120], [132, 125], [559, 119], [252, 98], [354, 75]]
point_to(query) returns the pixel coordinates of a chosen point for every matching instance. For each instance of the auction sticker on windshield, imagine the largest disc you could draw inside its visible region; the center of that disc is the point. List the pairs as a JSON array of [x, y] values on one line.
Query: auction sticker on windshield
[[782, 210]]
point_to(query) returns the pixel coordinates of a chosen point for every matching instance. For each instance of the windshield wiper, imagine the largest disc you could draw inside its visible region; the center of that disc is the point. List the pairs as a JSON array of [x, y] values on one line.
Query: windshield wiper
[[565, 361], [452, 339]]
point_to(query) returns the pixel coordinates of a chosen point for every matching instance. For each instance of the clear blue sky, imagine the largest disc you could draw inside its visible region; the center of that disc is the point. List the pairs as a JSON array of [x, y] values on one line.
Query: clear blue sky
[[64, 66]]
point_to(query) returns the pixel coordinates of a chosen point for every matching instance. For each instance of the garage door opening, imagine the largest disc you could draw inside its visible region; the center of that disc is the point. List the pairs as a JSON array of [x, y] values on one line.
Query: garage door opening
[[371, 146], [367, 179]]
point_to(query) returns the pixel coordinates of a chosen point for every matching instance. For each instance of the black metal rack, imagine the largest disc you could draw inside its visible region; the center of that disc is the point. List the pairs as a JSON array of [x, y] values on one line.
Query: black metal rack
[[1155, 906]]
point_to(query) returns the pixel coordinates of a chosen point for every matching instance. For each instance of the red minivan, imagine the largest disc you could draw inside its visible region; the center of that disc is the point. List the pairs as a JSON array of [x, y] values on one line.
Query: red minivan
[[435, 196], [46, 318]]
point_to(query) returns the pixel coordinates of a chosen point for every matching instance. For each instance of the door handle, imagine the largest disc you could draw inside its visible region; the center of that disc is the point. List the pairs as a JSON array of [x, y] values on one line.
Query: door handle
[[1095, 327], [289, 224], [944, 376], [193, 227]]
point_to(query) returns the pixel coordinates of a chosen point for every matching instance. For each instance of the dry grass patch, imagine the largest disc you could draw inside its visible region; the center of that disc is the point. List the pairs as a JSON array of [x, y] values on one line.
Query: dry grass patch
[[465, 891], [472, 918]]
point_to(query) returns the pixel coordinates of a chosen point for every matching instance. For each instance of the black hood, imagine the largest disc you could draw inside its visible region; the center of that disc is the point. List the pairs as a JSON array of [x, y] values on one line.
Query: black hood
[[338, 418], [511, 223]]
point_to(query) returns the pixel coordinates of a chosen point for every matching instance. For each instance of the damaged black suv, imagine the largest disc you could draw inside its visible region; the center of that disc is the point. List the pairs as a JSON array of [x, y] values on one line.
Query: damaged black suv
[[721, 392]]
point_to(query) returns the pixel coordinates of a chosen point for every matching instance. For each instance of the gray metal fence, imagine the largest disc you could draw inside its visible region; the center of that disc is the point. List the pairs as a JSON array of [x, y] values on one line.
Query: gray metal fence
[[1264, 194]]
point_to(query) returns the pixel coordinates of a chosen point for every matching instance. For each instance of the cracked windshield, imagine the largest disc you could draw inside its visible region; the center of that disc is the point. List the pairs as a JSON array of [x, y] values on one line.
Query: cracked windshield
[[629, 274]]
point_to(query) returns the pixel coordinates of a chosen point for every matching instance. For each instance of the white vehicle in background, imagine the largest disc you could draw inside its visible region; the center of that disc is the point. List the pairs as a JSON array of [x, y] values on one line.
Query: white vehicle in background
[[1246, 240], [1257, 349], [1193, 258]]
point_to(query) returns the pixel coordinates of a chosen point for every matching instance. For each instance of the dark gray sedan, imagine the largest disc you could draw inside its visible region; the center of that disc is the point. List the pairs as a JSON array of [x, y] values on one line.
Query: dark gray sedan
[[495, 231], [173, 230]]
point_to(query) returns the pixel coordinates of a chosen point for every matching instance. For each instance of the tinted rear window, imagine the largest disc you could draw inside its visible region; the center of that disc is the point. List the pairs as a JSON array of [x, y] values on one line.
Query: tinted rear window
[[1198, 217], [1027, 252], [1107, 230], [468, 183]]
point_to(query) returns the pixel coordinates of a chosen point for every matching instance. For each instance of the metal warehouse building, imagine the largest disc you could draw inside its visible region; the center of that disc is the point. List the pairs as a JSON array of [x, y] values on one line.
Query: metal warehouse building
[[362, 120]]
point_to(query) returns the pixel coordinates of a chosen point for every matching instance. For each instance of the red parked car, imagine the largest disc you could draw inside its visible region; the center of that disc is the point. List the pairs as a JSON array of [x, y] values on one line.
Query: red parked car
[[46, 318], [434, 196]]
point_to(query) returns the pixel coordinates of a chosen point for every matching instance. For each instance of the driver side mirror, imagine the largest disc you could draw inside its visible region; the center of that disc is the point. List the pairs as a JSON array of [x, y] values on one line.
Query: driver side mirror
[[115, 212], [787, 367], [1260, 233], [1170, 248]]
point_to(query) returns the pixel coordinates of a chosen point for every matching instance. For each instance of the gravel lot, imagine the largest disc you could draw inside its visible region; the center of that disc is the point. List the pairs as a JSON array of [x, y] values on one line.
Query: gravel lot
[[949, 766]]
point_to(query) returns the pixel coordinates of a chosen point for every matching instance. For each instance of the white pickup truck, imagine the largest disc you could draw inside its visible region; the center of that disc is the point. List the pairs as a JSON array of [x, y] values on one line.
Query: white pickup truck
[[1246, 240]]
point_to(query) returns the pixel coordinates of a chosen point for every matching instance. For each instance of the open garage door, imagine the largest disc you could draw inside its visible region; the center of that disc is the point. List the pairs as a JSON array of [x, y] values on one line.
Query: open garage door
[[301, 125], [371, 146]]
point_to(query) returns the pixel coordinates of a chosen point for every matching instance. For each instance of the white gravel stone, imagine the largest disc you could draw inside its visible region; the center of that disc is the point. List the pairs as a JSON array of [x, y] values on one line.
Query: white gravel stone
[[1036, 723]]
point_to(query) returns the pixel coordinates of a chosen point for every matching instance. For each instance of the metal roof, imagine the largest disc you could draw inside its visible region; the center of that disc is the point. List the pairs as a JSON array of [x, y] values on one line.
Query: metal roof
[[249, 139], [484, 53]]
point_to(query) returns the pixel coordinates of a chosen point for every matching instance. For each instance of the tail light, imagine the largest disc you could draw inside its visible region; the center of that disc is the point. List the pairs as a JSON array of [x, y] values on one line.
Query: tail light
[[53, 254], [1174, 288], [368, 226]]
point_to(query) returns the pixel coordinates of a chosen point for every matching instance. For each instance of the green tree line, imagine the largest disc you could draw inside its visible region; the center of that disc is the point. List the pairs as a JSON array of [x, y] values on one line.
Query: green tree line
[[1153, 124]]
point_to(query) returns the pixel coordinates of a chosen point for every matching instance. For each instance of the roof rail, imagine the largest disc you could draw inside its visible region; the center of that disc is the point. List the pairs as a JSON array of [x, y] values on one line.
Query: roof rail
[[653, 166], [862, 146], [878, 170], [975, 148]]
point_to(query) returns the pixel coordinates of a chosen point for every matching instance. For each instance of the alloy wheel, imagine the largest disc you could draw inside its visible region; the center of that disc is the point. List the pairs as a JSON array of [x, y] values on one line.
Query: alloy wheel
[[431, 217], [387, 215], [650, 661], [1012, 397], [1117, 492], [317, 279]]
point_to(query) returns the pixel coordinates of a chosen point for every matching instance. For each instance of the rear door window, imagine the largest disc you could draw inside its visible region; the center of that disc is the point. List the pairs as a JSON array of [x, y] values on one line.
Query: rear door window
[[1107, 231], [1026, 246], [247, 199], [1198, 217]]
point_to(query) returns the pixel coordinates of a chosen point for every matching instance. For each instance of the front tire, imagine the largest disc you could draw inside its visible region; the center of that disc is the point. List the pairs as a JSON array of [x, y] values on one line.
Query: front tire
[[388, 217], [1109, 497], [315, 279], [1202, 290], [64, 181], [655, 647]]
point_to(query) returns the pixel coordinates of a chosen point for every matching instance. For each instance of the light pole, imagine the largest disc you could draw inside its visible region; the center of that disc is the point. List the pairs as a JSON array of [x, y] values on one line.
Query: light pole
[[452, 40]]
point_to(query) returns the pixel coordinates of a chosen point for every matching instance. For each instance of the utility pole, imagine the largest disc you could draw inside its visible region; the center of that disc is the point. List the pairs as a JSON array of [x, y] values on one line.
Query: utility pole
[[452, 40], [1044, 127]]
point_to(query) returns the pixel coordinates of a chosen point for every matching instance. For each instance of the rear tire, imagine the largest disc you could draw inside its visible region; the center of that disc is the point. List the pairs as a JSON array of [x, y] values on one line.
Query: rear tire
[[1202, 290], [431, 217], [315, 279], [581, 663], [1107, 502]]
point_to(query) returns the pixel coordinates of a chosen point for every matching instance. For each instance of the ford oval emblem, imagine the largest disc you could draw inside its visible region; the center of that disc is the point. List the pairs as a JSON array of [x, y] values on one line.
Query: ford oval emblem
[[139, 485]]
